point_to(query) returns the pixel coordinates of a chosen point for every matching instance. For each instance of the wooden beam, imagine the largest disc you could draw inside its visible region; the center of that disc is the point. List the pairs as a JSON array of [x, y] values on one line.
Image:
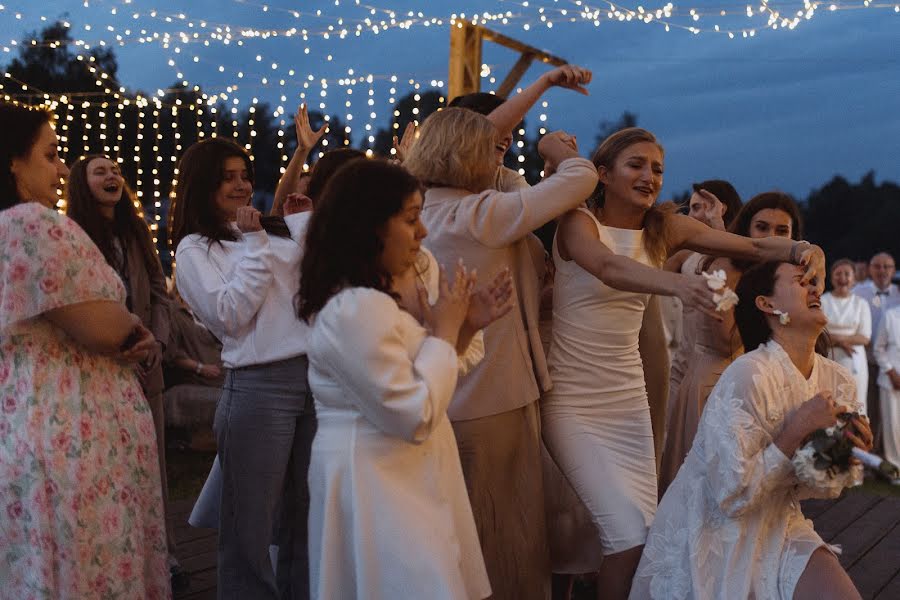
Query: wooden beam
[[465, 59], [515, 74]]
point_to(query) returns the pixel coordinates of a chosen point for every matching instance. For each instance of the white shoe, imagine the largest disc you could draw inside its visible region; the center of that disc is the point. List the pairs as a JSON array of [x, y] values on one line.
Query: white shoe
[[895, 481]]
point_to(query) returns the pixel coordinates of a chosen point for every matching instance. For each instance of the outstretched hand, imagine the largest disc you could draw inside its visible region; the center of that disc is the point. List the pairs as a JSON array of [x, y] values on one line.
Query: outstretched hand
[[403, 145], [490, 302], [306, 137], [571, 77]]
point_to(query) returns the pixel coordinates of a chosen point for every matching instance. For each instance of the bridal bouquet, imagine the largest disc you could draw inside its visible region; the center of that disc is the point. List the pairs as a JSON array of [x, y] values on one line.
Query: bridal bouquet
[[723, 296], [824, 461]]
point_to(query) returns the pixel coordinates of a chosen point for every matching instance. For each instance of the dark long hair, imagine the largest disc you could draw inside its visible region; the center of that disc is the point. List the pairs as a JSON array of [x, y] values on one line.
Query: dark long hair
[[343, 240], [775, 200], [326, 167], [194, 210], [21, 126], [759, 280], [83, 208]]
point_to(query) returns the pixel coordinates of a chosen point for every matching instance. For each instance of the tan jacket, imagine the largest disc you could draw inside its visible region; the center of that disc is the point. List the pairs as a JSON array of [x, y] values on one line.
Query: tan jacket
[[151, 303], [489, 231]]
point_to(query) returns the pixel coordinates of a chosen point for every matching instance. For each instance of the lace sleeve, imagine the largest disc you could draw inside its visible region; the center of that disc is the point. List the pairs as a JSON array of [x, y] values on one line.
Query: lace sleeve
[[744, 465]]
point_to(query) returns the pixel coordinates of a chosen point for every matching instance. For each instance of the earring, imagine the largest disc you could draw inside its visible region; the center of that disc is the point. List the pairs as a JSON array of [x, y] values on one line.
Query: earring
[[783, 317]]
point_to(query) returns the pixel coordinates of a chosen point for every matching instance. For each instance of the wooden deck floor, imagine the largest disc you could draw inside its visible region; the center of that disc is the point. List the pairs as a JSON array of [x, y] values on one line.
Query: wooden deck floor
[[866, 526]]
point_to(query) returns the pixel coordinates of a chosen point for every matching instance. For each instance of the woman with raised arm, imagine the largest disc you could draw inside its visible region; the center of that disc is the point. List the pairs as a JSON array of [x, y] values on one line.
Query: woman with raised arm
[[596, 422], [715, 343], [99, 199], [494, 410], [238, 272], [79, 482], [730, 525], [389, 516]]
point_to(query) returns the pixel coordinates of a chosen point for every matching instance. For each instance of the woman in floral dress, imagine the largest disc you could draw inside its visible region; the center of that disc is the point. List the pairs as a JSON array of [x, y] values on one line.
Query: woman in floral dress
[[80, 505]]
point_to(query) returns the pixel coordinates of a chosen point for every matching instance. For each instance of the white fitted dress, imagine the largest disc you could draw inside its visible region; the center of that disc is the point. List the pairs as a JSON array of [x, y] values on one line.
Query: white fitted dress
[[596, 420], [389, 513]]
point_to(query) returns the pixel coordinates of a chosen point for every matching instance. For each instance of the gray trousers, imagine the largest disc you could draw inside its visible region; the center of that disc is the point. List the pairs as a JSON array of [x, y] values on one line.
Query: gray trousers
[[265, 423]]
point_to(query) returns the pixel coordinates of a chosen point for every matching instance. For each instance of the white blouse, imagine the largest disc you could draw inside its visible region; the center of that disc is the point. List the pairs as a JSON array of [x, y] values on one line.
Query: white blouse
[[243, 291]]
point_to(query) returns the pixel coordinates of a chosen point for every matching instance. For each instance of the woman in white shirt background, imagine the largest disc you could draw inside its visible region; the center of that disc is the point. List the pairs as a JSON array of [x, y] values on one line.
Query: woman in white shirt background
[[849, 325], [239, 272], [389, 512]]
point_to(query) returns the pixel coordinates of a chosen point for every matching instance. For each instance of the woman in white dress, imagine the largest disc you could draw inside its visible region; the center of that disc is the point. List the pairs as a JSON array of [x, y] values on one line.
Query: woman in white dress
[[730, 525], [596, 421], [389, 513], [849, 325]]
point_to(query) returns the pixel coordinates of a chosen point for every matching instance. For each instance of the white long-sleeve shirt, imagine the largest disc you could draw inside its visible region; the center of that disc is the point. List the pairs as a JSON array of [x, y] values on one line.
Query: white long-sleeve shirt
[[243, 291]]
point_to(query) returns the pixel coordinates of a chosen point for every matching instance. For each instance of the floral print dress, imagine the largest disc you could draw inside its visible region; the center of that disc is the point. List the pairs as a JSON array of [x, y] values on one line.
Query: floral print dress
[[80, 507]]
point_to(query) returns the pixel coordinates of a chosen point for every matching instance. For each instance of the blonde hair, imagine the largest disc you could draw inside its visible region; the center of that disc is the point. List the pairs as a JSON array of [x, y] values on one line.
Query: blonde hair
[[656, 235], [455, 148]]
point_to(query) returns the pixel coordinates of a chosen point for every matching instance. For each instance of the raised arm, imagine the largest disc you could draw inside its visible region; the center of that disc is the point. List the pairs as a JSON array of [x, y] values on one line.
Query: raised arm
[[497, 219], [306, 141], [685, 232], [509, 114], [579, 240]]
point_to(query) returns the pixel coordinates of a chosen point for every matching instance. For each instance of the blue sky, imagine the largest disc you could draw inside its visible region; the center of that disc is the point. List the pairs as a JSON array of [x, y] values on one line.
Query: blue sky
[[783, 109]]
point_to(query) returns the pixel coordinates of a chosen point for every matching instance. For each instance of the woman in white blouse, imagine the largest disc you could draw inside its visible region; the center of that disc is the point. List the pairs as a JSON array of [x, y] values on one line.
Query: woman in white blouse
[[849, 325], [238, 272], [730, 525], [389, 513]]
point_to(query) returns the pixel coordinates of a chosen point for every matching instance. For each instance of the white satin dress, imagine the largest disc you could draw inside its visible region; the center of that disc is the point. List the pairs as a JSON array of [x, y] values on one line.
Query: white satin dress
[[596, 420]]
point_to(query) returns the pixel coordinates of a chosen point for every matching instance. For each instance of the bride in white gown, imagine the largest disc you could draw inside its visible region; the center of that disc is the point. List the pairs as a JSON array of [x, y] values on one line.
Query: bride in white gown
[[730, 525]]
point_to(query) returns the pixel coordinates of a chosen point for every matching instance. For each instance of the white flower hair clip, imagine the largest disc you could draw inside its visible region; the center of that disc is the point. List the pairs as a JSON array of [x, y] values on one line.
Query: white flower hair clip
[[723, 296], [783, 317]]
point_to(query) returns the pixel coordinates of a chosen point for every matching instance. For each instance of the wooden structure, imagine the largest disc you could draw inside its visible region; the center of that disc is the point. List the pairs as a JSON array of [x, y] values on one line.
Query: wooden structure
[[466, 42], [867, 527]]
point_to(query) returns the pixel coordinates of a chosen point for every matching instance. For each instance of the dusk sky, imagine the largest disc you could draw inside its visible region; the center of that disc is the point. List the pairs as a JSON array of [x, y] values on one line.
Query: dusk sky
[[785, 109]]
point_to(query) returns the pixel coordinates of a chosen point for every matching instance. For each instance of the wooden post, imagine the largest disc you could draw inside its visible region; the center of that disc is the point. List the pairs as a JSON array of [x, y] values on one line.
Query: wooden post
[[465, 59]]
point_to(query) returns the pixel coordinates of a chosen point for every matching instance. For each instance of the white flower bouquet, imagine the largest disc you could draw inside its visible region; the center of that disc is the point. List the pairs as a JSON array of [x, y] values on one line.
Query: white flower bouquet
[[723, 296], [825, 460]]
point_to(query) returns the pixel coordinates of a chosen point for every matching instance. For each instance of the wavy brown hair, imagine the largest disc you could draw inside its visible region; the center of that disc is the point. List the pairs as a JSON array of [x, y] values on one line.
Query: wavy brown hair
[[343, 241], [656, 237], [21, 126], [200, 173], [127, 224]]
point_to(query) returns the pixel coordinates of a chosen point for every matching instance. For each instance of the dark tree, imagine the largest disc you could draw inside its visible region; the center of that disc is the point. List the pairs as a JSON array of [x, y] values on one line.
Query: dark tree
[[854, 220]]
